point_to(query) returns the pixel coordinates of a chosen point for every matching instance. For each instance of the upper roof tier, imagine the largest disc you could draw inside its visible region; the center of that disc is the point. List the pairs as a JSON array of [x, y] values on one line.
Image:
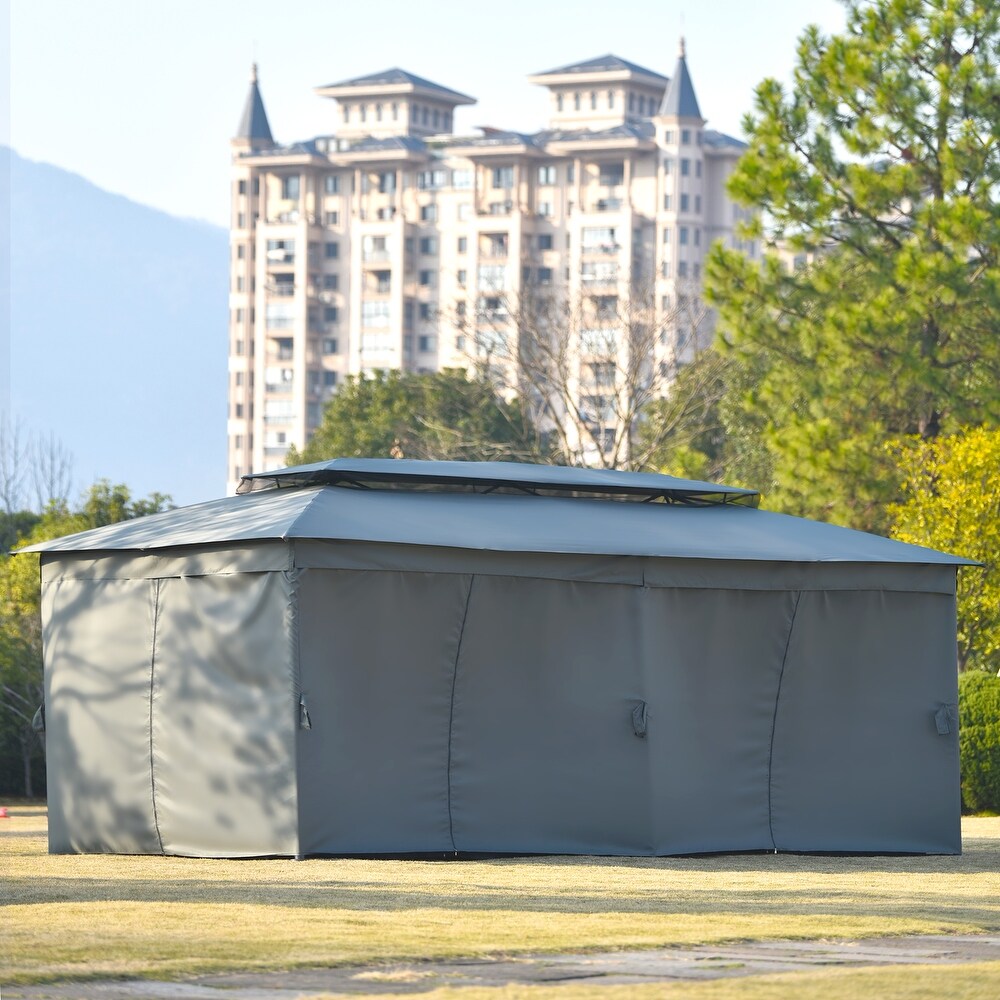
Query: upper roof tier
[[492, 477], [393, 81]]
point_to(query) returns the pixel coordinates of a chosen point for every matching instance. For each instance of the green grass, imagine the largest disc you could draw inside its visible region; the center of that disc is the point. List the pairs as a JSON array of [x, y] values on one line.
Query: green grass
[[101, 915]]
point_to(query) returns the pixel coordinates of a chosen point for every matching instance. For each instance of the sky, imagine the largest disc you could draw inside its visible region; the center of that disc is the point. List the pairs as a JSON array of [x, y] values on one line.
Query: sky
[[141, 96]]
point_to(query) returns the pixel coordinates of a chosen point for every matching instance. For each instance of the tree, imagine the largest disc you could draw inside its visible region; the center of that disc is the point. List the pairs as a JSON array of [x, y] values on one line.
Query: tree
[[879, 171], [951, 501], [587, 368], [440, 415], [21, 684]]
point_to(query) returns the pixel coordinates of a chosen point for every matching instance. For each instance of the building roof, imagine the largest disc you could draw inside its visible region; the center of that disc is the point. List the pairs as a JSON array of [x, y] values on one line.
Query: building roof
[[356, 505], [680, 101], [395, 80], [719, 140], [253, 122], [601, 64]]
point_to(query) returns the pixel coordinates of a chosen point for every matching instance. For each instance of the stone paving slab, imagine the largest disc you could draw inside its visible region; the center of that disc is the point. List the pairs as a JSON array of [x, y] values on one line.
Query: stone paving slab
[[611, 968]]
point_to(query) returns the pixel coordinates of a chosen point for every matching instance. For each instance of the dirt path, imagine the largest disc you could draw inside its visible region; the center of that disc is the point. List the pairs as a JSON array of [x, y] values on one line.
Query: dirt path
[[611, 968]]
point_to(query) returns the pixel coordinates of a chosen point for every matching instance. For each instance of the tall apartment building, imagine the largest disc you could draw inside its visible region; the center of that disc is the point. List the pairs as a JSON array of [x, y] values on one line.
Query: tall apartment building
[[356, 251]]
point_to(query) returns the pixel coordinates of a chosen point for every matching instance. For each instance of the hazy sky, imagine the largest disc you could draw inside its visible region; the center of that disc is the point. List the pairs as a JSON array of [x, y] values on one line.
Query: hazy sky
[[141, 96]]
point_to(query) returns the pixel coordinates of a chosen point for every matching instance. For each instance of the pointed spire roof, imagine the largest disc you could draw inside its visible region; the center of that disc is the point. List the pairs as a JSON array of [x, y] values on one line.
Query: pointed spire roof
[[679, 101], [253, 124]]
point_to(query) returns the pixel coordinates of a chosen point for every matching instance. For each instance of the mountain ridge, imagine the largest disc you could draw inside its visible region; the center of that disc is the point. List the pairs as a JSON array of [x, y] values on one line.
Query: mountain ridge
[[118, 332]]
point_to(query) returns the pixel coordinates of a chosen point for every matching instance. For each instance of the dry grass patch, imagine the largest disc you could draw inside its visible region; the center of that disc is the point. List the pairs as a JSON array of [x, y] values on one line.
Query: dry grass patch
[[974, 981], [97, 915]]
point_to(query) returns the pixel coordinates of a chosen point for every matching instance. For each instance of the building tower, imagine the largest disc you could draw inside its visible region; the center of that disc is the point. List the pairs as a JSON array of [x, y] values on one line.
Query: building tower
[[396, 244]]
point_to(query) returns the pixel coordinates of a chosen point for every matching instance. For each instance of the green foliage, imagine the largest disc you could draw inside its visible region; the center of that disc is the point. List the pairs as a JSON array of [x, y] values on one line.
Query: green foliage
[[879, 168], [20, 621], [703, 430], [951, 501], [443, 415], [979, 740]]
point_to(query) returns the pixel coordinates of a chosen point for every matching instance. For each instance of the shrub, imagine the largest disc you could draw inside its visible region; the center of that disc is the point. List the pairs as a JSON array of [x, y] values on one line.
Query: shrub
[[979, 740]]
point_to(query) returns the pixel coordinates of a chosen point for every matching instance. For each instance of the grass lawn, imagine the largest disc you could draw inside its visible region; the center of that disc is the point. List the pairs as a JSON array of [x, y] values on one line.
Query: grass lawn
[[102, 915]]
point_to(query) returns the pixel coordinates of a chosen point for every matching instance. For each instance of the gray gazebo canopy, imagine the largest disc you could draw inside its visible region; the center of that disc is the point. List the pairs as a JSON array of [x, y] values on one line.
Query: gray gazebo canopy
[[388, 656]]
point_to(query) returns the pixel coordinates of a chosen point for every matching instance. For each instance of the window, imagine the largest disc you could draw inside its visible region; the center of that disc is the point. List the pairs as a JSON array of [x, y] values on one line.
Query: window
[[503, 178], [432, 180], [571, 173], [682, 269], [383, 281], [612, 174], [642, 104], [374, 313], [239, 315], [239, 410], [330, 282], [544, 275], [242, 187], [424, 310], [428, 244], [546, 175], [290, 188], [667, 202], [611, 98], [330, 345], [332, 218], [436, 118], [500, 207], [425, 344], [374, 248], [331, 251], [364, 112], [685, 202], [545, 209], [425, 277], [593, 99], [428, 213], [241, 252], [666, 237], [331, 184], [330, 379], [683, 235], [378, 112], [387, 181], [697, 237], [492, 277], [668, 136], [241, 221], [685, 167], [424, 116], [463, 244], [280, 315], [395, 111], [545, 241], [668, 166], [697, 168], [685, 137], [460, 308], [576, 101], [461, 179], [601, 239], [602, 373], [281, 251], [631, 102], [329, 314], [697, 203], [462, 277]]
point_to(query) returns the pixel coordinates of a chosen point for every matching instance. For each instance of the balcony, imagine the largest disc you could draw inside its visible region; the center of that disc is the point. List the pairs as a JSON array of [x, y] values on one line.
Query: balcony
[[608, 205], [281, 289], [372, 256]]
